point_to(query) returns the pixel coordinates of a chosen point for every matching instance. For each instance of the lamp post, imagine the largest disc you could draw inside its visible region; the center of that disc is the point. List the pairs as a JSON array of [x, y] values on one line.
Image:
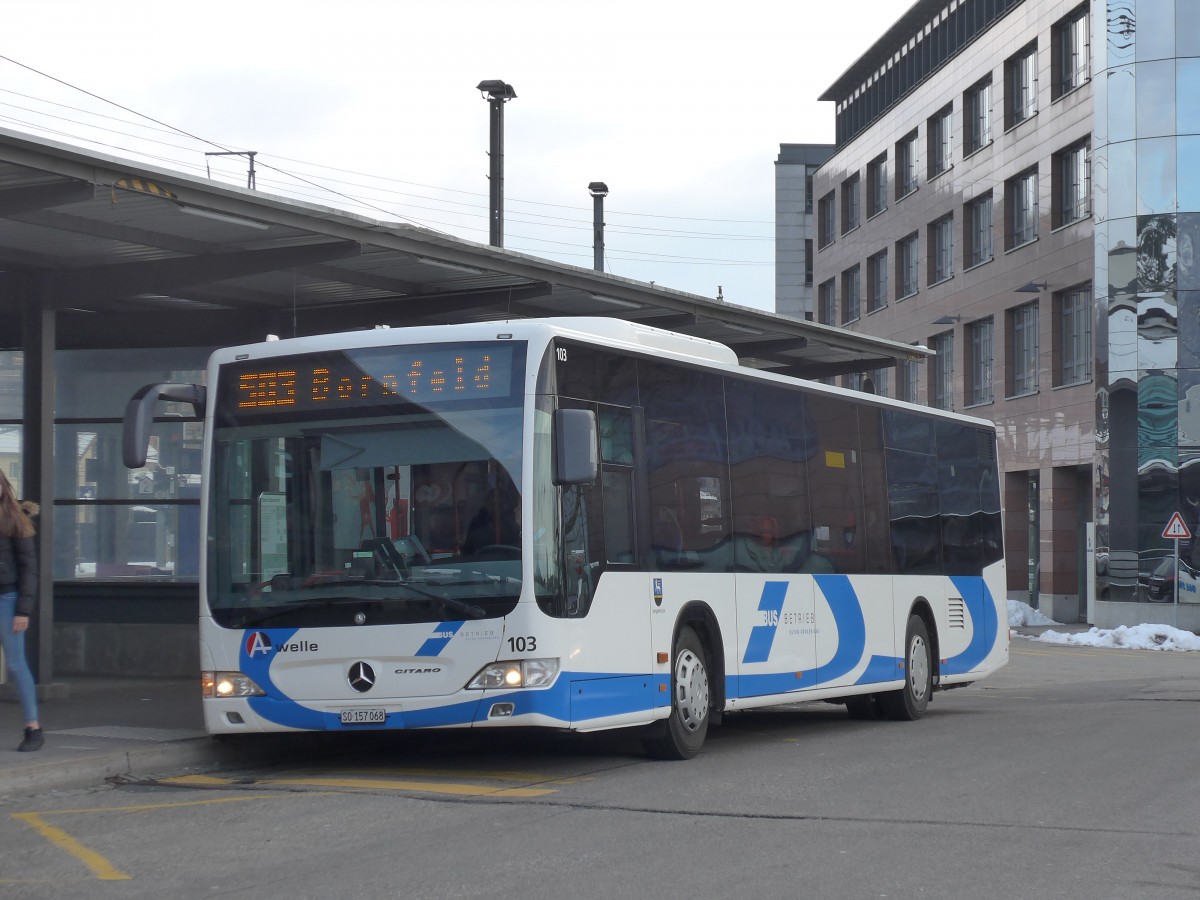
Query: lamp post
[[497, 94], [598, 190]]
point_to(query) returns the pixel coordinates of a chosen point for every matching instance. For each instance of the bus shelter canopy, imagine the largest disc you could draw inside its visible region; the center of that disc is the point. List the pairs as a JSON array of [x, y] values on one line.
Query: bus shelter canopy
[[127, 255]]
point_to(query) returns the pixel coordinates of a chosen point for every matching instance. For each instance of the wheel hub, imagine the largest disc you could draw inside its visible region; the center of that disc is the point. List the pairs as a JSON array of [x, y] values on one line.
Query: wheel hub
[[918, 668], [691, 690]]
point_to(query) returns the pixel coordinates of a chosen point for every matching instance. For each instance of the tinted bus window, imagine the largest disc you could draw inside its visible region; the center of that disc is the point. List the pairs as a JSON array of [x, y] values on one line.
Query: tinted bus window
[[687, 467], [769, 436]]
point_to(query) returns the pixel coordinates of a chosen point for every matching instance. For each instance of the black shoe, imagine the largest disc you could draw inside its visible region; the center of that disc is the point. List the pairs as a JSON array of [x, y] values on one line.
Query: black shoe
[[33, 740]]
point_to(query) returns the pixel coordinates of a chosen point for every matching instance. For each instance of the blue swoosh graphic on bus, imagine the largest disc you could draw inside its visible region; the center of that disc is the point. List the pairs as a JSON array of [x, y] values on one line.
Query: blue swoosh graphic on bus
[[882, 668], [274, 707], [437, 642], [758, 647], [852, 641], [984, 621], [852, 629]]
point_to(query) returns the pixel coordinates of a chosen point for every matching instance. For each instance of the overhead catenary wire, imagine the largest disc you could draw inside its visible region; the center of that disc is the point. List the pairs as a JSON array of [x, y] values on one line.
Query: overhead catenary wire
[[297, 182]]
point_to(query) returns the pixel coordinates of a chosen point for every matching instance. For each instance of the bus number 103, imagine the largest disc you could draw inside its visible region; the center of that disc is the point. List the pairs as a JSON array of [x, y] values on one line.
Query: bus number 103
[[522, 644]]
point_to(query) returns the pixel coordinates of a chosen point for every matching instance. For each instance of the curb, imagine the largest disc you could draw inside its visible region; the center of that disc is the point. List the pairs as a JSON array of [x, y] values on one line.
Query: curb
[[189, 756]]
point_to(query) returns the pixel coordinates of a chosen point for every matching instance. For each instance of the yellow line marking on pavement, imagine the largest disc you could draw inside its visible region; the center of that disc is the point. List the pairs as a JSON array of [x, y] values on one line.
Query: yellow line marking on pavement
[[461, 790], [100, 867], [146, 807], [534, 777], [1107, 652], [196, 779]]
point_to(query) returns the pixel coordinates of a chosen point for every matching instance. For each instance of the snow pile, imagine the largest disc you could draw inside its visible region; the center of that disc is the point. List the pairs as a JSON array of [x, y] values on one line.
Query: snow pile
[[1023, 614], [1137, 637]]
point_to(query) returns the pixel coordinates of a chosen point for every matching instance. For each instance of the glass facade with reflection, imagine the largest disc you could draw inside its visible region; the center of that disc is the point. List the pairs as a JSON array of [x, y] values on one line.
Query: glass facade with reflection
[[112, 523], [1146, 165]]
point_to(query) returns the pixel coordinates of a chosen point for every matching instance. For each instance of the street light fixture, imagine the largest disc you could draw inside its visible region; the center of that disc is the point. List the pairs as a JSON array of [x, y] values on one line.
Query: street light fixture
[[1034, 287], [497, 93], [598, 190]]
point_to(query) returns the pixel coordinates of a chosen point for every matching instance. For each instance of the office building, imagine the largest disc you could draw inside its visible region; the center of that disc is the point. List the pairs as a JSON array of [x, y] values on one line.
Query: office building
[[1015, 185]]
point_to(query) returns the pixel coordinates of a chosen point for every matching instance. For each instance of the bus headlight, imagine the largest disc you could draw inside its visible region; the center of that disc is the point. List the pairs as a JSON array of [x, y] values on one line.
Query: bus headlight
[[515, 673], [228, 684]]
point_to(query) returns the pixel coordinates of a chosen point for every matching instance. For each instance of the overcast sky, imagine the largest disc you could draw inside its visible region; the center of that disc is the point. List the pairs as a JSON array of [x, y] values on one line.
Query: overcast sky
[[680, 107]]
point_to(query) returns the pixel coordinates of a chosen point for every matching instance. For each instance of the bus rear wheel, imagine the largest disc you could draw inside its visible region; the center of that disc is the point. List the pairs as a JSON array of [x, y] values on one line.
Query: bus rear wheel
[[911, 701], [682, 735]]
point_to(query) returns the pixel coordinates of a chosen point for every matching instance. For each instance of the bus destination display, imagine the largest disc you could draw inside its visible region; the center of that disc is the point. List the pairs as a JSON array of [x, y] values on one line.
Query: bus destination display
[[358, 378]]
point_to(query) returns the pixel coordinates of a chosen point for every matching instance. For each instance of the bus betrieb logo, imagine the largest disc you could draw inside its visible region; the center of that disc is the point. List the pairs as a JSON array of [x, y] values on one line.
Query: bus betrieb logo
[[257, 642]]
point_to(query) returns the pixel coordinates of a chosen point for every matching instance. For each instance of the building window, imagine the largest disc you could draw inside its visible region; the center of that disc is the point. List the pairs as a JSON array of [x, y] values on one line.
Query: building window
[[851, 188], [1072, 185], [941, 370], [979, 362], [853, 381], [906, 266], [877, 279], [908, 372], [809, 172], [1020, 86], [851, 287], [1073, 319], [877, 185], [1021, 198], [827, 303], [939, 133], [825, 220], [1023, 352], [978, 231], [977, 116], [808, 263], [1070, 52], [906, 165], [941, 249]]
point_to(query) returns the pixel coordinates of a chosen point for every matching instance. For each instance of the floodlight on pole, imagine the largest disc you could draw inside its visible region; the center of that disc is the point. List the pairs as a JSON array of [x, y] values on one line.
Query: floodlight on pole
[[497, 93], [598, 190]]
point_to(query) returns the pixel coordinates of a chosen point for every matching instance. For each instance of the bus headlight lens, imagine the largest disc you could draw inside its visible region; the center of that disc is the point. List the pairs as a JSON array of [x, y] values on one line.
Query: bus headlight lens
[[228, 684], [516, 673]]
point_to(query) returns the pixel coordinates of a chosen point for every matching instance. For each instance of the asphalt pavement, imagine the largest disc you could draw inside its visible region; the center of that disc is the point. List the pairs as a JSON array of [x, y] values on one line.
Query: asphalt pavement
[[103, 729]]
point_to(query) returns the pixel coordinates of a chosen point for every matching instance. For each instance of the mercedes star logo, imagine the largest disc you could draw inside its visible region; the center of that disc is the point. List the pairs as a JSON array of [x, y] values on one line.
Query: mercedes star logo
[[361, 677]]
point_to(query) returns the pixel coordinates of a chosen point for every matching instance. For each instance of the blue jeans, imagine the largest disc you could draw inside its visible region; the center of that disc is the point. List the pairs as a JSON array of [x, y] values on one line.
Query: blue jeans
[[14, 656]]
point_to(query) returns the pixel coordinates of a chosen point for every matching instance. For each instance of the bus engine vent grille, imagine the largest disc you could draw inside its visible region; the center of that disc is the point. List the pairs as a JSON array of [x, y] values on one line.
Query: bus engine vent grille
[[957, 613]]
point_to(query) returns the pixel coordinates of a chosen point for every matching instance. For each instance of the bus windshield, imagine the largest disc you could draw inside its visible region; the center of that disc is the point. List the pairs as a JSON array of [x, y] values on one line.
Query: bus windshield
[[363, 518]]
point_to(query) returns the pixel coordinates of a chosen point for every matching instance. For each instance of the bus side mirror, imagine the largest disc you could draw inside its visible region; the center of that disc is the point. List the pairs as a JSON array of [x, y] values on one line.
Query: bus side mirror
[[139, 416], [576, 447]]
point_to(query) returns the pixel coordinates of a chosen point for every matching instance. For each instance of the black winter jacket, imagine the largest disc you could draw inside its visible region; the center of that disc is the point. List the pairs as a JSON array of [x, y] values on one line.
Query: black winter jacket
[[19, 571]]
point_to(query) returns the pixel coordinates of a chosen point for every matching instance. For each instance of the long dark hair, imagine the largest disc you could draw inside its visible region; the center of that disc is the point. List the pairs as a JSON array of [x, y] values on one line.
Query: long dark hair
[[14, 521]]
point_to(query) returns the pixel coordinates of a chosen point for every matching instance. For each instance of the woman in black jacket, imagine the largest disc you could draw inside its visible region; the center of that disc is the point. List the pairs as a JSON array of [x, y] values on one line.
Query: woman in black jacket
[[18, 592]]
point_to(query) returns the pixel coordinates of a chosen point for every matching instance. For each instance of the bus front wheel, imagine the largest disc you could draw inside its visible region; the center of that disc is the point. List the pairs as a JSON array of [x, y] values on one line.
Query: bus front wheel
[[683, 733], [910, 701]]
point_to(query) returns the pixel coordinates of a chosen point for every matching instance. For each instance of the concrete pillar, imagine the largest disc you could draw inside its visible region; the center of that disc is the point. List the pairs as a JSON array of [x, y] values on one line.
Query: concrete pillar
[[1060, 594], [37, 460]]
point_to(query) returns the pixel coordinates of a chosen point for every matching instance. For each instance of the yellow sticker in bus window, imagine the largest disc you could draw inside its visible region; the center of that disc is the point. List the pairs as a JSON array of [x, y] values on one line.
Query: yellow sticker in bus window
[[835, 459]]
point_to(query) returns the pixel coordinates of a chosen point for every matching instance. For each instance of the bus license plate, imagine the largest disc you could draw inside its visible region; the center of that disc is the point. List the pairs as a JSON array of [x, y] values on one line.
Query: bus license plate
[[364, 716]]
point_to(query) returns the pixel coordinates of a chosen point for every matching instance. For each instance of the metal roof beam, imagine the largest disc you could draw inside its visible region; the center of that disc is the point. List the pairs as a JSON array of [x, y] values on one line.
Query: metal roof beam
[[101, 283], [361, 279], [829, 370], [768, 348], [113, 231], [17, 200]]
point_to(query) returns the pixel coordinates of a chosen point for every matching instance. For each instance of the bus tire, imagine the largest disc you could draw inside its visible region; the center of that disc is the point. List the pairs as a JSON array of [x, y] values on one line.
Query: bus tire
[[910, 702], [683, 733]]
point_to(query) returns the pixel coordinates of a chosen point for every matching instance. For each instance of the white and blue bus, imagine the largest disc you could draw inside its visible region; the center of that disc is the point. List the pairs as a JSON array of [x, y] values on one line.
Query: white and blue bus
[[576, 524]]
